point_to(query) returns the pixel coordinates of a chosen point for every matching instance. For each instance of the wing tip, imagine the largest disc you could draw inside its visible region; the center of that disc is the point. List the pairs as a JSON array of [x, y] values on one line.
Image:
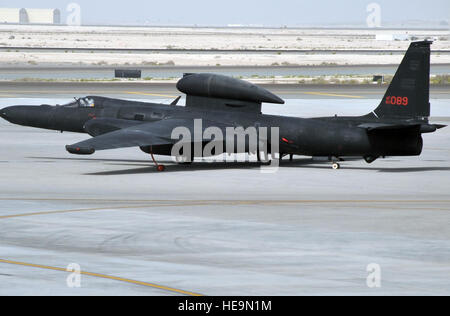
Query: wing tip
[[76, 150]]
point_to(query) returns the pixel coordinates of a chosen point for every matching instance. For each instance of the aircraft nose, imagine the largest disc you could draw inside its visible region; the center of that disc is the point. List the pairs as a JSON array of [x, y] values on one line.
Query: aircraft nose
[[4, 113], [25, 115], [13, 114]]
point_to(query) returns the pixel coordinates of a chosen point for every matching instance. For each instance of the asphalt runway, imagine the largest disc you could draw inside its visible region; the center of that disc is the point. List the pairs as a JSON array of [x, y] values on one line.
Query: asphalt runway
[[221, 228], [129, 90]]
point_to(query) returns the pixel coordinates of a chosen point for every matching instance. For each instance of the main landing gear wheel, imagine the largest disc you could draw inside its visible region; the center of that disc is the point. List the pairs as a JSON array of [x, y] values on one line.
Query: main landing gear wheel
[[335, 166]]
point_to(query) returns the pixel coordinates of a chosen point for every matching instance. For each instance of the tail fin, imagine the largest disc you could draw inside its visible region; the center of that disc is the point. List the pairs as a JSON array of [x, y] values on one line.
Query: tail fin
[[408, 96]]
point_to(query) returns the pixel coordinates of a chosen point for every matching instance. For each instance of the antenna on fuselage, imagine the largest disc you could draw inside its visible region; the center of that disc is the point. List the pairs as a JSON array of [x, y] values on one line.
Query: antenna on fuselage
[[175, 102]]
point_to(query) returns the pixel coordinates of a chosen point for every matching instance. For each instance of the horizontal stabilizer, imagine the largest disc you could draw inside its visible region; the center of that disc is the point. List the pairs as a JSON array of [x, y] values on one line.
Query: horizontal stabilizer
[[385, 126], [424, 128]]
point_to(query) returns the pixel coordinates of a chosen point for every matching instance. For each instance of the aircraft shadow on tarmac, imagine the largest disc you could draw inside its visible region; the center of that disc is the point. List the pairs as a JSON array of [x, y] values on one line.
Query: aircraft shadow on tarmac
[[148, 167], [374, 168]]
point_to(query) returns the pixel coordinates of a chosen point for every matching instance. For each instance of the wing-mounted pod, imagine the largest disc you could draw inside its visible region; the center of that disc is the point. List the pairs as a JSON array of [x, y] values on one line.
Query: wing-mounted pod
[[211, 91]]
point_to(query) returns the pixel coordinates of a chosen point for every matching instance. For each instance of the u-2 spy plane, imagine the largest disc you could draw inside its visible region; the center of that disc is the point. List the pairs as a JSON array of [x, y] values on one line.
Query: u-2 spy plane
[[394, 128]]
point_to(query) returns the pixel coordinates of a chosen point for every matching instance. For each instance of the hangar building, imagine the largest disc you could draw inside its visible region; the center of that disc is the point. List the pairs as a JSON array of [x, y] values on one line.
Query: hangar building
[[30, 16]]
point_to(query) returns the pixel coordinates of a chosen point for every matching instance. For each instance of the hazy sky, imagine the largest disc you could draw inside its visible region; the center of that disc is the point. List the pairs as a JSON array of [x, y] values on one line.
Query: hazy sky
[[249, 12]]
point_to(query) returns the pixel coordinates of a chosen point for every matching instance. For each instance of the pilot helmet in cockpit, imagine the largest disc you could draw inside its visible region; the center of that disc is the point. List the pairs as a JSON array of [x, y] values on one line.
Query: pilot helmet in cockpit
[[86, 102]]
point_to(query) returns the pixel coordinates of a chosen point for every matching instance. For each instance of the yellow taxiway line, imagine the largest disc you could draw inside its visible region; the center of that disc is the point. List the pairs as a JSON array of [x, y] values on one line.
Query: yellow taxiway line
[[109, 208], [334, 95], [104, 276], [220, 201], [184, 203], [89, 92], [150, 94]]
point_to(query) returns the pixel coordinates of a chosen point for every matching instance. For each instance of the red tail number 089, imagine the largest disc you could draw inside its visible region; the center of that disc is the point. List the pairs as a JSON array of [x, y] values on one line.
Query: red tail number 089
[[397, 101]]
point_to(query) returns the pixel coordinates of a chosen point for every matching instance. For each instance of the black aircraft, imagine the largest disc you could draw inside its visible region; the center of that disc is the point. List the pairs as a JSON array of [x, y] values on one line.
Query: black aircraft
[[394, 128]]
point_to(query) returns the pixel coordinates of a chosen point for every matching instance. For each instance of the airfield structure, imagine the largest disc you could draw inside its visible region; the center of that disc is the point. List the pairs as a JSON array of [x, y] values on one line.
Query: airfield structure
[[30, 16]]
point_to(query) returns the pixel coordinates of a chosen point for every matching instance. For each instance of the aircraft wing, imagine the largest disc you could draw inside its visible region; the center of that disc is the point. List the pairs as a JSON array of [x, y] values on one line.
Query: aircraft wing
[[145, 134]]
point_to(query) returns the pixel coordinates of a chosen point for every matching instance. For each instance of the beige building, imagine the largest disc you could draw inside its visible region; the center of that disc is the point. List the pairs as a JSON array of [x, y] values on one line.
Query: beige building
[[9, 15], [30, 16], [43, 16]]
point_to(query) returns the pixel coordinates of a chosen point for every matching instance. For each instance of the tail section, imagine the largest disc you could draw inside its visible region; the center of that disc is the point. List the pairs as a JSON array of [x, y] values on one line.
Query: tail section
[[408, 96]]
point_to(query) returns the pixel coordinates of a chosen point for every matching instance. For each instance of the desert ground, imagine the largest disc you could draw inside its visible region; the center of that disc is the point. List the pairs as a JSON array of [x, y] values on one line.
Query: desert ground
[[66, 45]]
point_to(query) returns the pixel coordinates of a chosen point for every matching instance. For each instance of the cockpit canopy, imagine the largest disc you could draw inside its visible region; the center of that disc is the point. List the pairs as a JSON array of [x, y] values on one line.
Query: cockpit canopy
[[86, 102]]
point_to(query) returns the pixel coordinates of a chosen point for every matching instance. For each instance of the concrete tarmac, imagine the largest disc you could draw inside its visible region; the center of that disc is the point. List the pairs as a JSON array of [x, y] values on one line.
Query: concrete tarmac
[[219, 228], [17, 72]]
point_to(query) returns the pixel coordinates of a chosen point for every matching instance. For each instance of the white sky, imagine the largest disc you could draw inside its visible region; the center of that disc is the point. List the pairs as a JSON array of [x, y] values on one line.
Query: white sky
[[246, 12]]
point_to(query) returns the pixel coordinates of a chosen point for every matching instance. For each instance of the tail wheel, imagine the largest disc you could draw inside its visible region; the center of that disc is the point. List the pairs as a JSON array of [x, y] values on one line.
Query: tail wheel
[[336, 166]]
